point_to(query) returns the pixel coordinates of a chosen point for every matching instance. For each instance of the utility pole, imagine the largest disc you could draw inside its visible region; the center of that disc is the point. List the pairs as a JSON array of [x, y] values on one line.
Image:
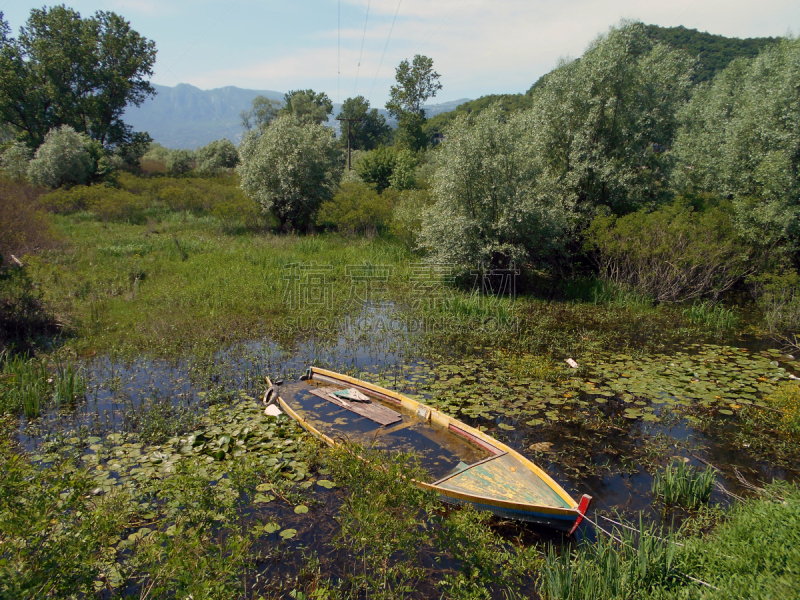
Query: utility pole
[[348, 136]]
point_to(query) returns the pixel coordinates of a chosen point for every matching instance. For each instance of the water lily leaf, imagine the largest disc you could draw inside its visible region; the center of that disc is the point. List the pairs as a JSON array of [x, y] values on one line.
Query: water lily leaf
[[271, 527], [505, 427], [288, 534], [725, 411], [326, 483], [263, 487], [301, 510]]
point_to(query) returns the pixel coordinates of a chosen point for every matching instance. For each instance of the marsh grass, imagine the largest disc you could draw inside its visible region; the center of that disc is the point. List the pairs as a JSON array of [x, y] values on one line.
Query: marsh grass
[[28, 386], [23, 387], [69, 385], [633, 565], [682, 485], [711, 315], [387, 524]]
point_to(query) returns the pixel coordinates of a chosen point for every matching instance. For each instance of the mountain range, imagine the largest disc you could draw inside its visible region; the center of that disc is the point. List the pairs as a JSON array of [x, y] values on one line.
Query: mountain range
[[185, 116]]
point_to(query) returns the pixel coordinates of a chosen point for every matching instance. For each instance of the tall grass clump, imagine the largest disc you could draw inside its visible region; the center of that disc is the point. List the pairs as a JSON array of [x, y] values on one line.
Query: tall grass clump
[[682, 485], [69, 385], [709, 314], [642, 563], [23, 385]]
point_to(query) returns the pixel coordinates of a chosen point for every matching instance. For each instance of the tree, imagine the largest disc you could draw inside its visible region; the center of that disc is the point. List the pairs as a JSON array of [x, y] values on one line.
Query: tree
[[740, 139], [416, 83], [602, 125], [180, 161], [307, 106], [488, 209], [15, 161], [65, 157], [262, 112], [290, 169], [216, 157], [376, 167], [66, 70], [367, 134]]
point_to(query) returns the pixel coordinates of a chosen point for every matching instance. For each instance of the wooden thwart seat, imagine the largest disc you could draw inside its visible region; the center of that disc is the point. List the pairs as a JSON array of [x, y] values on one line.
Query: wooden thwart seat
[[369, 410]]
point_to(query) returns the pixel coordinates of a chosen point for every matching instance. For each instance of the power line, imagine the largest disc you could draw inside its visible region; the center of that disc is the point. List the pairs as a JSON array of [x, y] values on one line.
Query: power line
[[385, 81], [360, 54], [380, 64]]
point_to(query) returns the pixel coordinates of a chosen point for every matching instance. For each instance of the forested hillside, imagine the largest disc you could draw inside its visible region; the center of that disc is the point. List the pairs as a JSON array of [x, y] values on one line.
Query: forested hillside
[[714, 53]]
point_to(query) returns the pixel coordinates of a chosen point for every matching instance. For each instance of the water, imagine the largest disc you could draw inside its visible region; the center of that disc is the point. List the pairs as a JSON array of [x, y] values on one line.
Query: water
[[614, 467]]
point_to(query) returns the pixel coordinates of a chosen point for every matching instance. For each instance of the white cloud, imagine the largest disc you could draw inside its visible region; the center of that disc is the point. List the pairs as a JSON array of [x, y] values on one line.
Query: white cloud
[[485, 47]]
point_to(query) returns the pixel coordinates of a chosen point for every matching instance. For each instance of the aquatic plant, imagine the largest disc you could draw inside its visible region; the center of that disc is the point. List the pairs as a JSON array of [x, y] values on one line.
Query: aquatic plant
[[712, 315], [23, 384], [69, 385], [632, 563], [683, 485]]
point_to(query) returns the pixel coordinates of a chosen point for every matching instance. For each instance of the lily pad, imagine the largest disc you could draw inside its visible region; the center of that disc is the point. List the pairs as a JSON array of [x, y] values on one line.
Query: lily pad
[[301, 510]]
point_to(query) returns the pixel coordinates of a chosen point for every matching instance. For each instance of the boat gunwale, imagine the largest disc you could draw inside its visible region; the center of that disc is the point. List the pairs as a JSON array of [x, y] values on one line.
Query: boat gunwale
[[446, 420], [523, 507]]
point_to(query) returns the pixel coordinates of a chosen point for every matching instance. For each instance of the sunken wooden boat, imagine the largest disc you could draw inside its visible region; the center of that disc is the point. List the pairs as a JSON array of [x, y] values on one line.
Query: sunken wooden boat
[[467, 466]]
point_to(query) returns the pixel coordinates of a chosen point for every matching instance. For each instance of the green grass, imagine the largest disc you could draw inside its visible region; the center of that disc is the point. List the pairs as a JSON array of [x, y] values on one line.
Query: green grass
[[172, 285], [27, 385], [711, 315], [23, 385], [754, 554], [682, 485]]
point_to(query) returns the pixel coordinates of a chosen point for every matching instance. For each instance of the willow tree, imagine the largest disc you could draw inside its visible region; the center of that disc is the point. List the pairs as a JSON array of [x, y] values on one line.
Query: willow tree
[[740, 139], [290, 168], [488, 209], [602, 125]]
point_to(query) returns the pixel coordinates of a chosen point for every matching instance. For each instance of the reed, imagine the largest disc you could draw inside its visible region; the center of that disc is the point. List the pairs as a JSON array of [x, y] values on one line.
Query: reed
[[23, 385], [682, 485], [709, 314], [627, 565], [69, 385]]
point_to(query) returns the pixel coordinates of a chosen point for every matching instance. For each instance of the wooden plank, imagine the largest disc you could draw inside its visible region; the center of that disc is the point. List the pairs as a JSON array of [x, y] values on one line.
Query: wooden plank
[[372, 411]]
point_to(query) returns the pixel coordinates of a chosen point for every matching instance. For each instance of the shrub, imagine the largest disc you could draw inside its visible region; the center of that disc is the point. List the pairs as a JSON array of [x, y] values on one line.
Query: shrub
[[407, 216], [357, 208], [64, 158], [215, 158], [109, 204], [15, 161], [179, 162], [671, 254], [376, 167], [290, 168], [23, 225], [777, 295]]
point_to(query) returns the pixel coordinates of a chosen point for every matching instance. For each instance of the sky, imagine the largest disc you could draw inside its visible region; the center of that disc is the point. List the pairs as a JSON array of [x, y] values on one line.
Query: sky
[[351, 47]]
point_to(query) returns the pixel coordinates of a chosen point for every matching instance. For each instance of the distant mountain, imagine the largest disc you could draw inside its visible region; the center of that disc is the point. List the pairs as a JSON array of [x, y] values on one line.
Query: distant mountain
[[187, 117]]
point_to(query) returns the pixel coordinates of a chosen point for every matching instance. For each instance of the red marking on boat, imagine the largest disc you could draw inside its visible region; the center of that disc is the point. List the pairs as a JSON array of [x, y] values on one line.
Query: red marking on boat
[[475, 440], [582, 508]]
